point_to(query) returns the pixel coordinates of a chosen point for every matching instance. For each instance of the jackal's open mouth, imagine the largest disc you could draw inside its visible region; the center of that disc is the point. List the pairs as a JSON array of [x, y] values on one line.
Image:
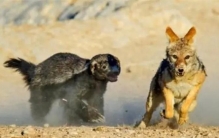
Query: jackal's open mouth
[[180, 74]]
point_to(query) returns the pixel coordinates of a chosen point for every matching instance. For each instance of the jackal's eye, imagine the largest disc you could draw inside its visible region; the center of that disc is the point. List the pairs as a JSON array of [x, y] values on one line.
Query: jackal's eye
[[187, 57], [174, 56]]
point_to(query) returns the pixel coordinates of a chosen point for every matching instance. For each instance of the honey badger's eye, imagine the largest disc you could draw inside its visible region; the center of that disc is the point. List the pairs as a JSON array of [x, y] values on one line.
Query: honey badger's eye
[[187, 57], [104, 66], [174, 56]]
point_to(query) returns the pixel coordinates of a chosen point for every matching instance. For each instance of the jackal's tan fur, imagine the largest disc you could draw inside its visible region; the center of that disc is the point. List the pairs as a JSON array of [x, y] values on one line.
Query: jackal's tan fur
[[177, 81]]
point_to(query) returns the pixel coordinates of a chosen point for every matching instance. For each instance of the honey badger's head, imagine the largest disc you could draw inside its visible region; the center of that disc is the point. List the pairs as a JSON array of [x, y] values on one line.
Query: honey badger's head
[[105, 67]]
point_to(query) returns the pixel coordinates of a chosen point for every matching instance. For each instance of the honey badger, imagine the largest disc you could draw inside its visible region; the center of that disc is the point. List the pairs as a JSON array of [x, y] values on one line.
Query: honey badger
[[80, 82]]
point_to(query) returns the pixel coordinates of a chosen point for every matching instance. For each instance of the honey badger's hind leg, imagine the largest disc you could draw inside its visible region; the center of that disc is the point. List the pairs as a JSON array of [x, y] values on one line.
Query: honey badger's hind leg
[[39, 110], [40, 105]]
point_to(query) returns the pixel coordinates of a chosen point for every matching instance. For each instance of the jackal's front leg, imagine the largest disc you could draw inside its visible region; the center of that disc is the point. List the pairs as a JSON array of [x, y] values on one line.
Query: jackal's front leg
[[187, 103], [169, 103]]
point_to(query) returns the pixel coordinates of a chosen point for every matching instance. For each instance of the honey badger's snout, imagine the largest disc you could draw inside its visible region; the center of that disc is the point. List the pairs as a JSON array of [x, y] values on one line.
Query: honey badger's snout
[[115, 69]]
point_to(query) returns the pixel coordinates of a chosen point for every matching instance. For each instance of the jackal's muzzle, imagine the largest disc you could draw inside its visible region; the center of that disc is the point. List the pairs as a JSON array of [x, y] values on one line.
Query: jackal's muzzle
[[180, 71]]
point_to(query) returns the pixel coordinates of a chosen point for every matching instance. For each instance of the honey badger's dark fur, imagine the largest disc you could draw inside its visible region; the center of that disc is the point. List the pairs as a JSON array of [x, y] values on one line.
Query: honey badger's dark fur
[[80, 82]]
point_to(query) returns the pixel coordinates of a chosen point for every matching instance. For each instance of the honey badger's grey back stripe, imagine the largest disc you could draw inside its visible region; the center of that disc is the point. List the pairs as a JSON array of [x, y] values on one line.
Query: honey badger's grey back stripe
[[59, 68]]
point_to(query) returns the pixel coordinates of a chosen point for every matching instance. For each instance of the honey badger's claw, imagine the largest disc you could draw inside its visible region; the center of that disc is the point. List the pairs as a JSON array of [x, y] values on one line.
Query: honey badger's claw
[[95, 116], [101, 119]]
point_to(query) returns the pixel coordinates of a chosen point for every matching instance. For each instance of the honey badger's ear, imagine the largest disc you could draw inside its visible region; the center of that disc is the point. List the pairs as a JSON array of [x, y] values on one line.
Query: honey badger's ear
[[93, 66], [171, 35], [190, 34]]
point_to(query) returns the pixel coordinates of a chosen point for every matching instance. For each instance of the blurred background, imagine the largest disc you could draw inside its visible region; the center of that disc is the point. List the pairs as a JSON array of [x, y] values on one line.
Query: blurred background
[[133, 30], [46, 11]]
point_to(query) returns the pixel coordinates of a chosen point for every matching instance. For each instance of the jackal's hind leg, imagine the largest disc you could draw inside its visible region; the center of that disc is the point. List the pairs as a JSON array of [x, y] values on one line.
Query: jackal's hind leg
[[153, 101]]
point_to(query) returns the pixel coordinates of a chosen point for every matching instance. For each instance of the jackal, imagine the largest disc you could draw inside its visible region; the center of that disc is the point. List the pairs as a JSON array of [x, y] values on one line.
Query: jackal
[[177, 81]]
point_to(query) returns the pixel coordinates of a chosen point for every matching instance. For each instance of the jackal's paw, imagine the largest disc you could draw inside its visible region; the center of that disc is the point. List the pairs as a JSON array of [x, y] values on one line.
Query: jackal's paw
[[165, 115], [182, 120], [162, 113], [140, 124], [95, 116]]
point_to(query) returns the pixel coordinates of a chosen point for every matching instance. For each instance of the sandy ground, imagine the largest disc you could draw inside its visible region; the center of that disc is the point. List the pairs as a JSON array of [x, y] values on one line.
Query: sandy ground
[[136, 35], [108, 132]]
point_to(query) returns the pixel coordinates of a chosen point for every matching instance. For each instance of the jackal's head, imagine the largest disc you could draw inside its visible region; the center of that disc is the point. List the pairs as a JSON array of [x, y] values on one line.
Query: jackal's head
[[180, 52]]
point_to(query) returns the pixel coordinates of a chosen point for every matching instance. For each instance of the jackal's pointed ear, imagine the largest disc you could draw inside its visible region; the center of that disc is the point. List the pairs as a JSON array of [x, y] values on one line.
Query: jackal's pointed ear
[[171, 35], [189, 36]]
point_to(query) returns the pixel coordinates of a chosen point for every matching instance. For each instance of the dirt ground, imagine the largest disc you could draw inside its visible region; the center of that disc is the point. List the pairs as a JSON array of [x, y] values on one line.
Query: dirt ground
[[190, 131], [136, 34]]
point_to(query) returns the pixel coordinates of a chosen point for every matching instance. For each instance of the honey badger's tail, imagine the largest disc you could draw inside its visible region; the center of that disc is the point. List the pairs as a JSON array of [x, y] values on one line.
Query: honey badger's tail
[[22, 66]]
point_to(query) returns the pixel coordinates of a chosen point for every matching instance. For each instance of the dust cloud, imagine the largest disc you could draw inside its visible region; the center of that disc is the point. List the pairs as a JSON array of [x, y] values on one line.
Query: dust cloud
[[123, 106]]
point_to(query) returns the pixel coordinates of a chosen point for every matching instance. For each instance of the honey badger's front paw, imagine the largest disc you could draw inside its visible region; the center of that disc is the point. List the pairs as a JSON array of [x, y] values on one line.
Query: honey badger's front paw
[[94, 116]]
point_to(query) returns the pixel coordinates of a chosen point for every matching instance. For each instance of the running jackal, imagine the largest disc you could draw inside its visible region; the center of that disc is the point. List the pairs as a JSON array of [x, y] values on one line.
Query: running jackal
[[177, 81]]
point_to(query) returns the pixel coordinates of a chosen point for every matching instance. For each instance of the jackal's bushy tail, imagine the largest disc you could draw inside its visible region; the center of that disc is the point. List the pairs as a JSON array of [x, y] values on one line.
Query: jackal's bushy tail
[[24, 67]]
